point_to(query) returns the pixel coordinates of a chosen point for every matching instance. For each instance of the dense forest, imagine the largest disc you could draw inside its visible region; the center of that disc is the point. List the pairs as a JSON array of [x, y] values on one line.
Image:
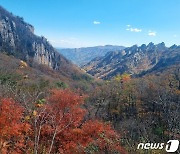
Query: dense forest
[[37, 116], [113, 117]]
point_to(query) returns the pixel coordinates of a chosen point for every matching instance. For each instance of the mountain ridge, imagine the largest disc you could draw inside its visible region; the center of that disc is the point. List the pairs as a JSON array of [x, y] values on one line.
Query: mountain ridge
[[134, 60], [17, 38]]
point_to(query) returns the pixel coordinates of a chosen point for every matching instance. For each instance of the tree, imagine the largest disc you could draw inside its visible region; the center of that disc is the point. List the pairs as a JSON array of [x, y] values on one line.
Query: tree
[[63, 128], [12, 127], [53, 124]]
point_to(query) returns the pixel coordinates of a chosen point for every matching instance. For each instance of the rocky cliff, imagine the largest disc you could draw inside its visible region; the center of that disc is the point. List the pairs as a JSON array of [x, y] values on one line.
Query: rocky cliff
[[17, 38], [134, 60]]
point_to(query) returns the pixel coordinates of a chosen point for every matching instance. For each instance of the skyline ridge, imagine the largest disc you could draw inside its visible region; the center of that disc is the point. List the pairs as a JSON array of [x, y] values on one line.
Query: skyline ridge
[[64, 24]]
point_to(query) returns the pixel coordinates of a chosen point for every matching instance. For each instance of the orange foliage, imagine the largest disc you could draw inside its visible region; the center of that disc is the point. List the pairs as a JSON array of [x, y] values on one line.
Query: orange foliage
[[122, 78], [73, 133], [59, 126], [11, 127]]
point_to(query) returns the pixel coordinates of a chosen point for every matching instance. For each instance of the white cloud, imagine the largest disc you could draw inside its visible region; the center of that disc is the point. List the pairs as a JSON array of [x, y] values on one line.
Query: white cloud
[[174, 35], [152, 33], [128, 25], [96, 22], [134, 30]]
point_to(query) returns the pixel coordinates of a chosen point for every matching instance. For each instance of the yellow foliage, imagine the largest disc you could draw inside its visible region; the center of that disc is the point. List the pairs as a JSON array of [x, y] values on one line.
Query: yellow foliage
[[39, 105], [23, 64], [34, 113], [123, 77], [27, 117]]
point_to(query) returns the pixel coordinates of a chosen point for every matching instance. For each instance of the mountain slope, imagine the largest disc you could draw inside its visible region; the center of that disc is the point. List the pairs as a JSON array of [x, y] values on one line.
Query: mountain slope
[[134, 60], [17, 38], [82, 56]]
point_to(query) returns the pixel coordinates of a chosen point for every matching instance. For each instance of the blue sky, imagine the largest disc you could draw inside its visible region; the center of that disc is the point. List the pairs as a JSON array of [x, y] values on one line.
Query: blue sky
[[81, 23]]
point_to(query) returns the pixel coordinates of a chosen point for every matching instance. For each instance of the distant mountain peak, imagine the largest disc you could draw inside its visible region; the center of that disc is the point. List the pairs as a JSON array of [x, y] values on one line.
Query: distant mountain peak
[[173, 46], [150, 45], [162, 43], [134, 60], [161, 46]]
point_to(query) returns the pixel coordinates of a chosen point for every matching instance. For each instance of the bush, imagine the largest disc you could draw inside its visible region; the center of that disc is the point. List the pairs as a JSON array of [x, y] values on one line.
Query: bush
[[61, 85]]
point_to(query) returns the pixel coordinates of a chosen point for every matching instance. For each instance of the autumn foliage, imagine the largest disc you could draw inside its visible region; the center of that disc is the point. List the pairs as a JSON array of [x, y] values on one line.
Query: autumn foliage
[[12, 127], [55, 125]]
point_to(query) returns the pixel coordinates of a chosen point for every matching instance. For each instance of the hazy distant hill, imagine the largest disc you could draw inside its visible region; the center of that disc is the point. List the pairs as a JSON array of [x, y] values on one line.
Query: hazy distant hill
[[82, 56], [134, 60]]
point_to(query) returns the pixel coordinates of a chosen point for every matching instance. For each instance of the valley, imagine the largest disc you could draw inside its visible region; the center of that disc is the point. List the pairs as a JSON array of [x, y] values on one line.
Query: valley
[[85, 100]]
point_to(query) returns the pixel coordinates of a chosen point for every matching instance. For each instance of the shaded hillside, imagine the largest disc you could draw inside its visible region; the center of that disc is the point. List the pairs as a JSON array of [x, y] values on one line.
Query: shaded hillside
[[82, 56], [134, 60]]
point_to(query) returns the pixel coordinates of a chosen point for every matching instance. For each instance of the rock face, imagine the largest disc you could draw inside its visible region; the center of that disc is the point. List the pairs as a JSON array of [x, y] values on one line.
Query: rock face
[[17, 38], [134, 60]]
